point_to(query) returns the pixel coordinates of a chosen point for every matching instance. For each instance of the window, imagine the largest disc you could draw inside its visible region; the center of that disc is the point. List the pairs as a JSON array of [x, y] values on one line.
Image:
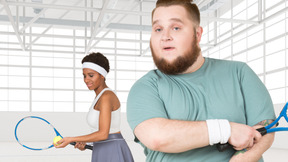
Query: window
[[263, 47], [50, 78]]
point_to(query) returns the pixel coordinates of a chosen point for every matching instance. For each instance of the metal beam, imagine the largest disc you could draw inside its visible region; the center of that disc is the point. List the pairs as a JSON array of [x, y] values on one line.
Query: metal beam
[[99, 19], [49, 27], [80, 23], [229, 20], [1, 9], [11, 19], [35, 18], [77, 8], [274, 15], [109, 21], [253, 26]]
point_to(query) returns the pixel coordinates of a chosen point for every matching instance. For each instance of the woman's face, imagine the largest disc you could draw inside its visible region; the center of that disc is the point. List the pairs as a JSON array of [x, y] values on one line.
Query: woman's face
[[92, 78]]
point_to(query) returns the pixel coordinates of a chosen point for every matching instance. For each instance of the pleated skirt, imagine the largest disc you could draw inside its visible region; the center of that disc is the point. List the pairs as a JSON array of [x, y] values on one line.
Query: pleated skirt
[[114, 149]]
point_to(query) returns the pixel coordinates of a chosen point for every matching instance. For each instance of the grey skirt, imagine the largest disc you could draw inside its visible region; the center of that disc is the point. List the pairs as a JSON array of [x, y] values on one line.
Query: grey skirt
[[114, 149]]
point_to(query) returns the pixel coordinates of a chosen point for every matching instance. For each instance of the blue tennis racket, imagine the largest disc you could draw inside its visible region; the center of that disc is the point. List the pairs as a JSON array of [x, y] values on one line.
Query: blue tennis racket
[[264, 130], [36, 133]]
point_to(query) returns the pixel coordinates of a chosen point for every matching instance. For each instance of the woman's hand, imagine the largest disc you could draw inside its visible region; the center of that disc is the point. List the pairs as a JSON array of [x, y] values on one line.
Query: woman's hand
[[63, 142], [80, 145]]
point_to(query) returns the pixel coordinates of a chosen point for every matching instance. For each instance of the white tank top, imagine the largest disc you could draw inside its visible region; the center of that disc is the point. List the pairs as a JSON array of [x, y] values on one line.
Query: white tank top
[[93, 116]]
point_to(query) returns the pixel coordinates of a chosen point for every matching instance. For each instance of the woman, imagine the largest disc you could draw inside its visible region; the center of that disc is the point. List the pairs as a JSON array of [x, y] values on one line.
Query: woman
[[103, 116]]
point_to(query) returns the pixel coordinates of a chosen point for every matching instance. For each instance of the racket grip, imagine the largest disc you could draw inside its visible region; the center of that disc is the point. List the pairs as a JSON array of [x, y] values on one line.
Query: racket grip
[[86, 146], [262, 131], [89, 147], [223, 147]]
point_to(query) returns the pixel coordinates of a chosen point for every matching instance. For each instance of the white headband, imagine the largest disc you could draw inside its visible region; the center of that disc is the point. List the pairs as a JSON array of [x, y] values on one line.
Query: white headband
[[95, 67]]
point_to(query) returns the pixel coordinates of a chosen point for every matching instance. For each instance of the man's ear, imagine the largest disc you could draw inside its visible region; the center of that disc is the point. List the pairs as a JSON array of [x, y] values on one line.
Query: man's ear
[[199, 31]]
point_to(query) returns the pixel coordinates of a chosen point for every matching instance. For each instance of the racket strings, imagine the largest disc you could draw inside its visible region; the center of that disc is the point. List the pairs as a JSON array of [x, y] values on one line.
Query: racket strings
[[35, 133]]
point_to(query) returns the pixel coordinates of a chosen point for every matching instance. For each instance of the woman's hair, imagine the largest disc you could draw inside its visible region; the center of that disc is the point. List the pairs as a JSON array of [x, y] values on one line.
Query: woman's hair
[[189, 6], [97, 58]]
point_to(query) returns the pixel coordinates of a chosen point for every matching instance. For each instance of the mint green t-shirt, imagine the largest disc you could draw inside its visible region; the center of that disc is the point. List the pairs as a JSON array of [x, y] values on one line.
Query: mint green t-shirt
[[220, 89]]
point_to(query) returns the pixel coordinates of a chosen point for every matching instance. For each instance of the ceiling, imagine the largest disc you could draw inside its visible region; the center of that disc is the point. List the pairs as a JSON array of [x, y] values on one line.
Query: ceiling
[[96, 17]]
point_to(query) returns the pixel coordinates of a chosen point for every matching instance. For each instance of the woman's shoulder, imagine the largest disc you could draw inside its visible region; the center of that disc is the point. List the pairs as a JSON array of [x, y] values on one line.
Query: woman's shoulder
[[108, 97]]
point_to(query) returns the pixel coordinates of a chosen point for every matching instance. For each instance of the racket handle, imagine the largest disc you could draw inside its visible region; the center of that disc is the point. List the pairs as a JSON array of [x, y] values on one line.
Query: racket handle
[[262, 131], [86, 146], [225, 146], [89, 147]]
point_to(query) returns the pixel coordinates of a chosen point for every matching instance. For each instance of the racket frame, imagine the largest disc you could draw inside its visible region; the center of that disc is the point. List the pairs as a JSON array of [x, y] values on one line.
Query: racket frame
[[36, 117], [55, 130], [263, 130]]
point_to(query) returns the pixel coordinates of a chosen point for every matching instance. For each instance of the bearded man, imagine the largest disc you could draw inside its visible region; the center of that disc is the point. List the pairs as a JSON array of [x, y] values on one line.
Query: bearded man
[[181, 111]]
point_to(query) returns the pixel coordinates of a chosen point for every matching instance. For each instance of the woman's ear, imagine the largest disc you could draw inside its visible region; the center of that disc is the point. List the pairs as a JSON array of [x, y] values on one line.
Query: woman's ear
[[102, 76]]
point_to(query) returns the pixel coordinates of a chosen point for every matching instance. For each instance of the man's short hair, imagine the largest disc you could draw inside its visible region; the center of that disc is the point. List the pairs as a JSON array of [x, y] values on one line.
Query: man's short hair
[[190, 7]]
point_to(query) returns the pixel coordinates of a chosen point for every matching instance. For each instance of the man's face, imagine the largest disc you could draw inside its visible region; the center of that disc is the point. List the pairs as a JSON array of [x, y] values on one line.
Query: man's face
[[174, 42]]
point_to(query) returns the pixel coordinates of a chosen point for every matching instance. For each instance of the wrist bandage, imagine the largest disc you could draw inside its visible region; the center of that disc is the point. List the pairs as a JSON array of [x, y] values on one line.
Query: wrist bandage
[[219, 131]]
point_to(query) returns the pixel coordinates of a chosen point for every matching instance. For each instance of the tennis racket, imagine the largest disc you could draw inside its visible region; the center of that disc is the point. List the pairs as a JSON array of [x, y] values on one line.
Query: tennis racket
[[263, 130], [36, 133]]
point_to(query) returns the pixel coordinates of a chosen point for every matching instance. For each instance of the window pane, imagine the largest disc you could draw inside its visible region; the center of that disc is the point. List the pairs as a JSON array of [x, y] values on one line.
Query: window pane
[[15, 81], [275, 80], [18, 95], [257, 66], [124, 84], [63, 106], [41, 95], [18, 106], [63, 83], [42, 106], [275, 61], [82, 106], [275, 46], [278, 96]]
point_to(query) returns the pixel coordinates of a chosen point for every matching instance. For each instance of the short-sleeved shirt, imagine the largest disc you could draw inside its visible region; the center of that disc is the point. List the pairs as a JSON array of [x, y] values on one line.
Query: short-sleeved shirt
[[220, 89]]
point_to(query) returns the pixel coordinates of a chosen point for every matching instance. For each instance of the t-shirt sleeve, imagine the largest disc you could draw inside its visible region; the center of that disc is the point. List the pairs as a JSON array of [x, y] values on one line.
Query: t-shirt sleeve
[[144, 102], [258, 103]]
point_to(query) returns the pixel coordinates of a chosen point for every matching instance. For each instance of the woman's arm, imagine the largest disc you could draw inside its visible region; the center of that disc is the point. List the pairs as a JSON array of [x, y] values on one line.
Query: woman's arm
[[105, 105]]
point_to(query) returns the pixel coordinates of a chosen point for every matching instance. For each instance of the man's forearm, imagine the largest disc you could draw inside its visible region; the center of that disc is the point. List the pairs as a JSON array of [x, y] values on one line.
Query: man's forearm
[[172, 136], [254, 154]]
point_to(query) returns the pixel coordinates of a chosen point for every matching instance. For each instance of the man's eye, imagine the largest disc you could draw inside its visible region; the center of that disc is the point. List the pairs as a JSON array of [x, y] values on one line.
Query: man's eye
[[157, 30], [176, 28], [91, 76]]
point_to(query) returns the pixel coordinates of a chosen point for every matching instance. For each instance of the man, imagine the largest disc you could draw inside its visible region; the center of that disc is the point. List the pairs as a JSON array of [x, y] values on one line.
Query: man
[[181, 111]]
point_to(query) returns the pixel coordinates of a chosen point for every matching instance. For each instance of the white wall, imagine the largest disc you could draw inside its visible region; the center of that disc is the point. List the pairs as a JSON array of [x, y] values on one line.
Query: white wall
[[72, 124]]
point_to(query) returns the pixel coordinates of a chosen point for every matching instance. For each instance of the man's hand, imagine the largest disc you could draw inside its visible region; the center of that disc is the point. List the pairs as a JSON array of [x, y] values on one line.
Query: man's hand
[[243, 136]]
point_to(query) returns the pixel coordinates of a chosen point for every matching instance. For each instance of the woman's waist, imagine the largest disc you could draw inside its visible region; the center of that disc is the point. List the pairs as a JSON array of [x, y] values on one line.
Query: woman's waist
[[112, 137]]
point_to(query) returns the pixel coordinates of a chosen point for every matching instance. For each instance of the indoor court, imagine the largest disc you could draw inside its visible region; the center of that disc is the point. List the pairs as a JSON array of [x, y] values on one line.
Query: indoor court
[[42, 43]]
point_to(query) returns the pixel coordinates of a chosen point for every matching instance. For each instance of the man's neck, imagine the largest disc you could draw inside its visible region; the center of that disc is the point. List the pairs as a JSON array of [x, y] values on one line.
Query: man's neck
[[197, 65]]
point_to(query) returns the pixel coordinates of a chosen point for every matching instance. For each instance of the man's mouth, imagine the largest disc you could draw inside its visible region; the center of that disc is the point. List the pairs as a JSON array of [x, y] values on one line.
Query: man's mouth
[[168, 48]]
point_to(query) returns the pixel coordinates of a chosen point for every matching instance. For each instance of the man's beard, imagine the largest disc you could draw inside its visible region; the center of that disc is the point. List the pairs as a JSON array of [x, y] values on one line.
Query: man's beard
[[181, 63]]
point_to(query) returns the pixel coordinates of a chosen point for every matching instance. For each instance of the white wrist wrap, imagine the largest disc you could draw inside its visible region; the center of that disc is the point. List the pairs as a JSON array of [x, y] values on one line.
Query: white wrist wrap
[[219, 131]]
